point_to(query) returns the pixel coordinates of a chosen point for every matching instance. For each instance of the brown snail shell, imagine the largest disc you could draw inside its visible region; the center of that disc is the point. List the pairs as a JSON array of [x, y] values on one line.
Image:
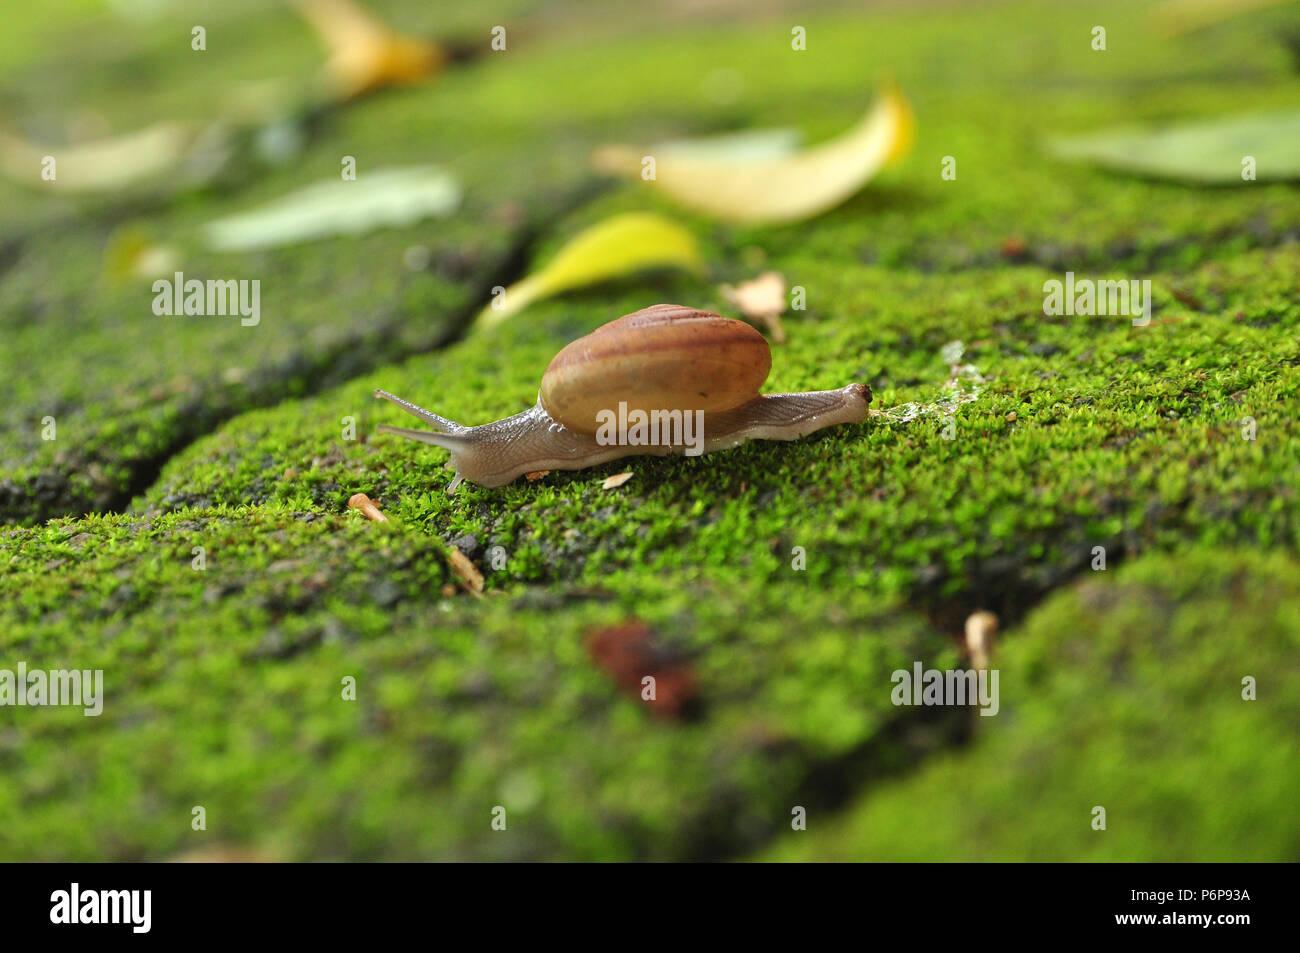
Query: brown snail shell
[[665, 357]]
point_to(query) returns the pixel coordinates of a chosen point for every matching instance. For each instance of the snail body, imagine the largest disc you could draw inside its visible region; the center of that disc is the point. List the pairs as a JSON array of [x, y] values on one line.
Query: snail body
[[689, 375]]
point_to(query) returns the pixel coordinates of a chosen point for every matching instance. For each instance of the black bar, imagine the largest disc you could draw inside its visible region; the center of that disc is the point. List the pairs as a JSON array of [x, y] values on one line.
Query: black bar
[[331, 901]]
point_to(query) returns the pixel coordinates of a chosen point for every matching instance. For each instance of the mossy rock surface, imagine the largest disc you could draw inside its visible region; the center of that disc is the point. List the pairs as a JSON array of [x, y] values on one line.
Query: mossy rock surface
[[1166, 693], [1083, 433], [789, 579], [224, 688]]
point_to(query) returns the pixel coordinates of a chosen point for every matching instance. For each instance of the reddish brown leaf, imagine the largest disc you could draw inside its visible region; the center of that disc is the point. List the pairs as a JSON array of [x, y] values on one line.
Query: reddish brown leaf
[[630, 653]]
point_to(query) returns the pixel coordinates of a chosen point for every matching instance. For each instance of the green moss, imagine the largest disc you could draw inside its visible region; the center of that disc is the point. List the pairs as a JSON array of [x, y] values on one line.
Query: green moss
[[1124, 692], [1124, 437], [224, 684], [131, 388], [223, 689]]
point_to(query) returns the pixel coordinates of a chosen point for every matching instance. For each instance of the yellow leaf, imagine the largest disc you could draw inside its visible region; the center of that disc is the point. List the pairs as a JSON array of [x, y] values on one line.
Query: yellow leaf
[[367, 55], [131, 253], [104, 165], [780, 188], [608, 249]]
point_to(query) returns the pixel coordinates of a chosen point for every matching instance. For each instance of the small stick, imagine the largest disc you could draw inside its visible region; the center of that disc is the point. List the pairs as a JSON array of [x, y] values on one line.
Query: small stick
[[366, 505], [981, 627], [471, 578]]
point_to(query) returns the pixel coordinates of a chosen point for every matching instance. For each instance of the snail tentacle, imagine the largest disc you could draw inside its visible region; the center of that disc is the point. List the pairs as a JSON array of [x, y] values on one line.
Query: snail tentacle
[[447, 441], [428, 416]]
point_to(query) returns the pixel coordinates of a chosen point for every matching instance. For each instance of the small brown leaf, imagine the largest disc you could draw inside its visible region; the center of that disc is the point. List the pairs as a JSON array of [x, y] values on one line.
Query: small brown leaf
[[761, 301], [644, 668], [534, 475], [760, 296]]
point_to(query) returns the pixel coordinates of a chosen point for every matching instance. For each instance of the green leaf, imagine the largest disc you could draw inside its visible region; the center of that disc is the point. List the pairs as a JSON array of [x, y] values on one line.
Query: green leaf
[[1207, 151], [385, 198]]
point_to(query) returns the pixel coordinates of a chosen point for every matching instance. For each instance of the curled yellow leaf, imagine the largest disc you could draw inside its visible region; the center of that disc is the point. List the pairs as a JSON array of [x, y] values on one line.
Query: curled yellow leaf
[[617, 246], [776, 188], [366, 54]]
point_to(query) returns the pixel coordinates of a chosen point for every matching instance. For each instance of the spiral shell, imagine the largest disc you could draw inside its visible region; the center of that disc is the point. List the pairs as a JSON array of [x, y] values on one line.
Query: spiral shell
[[667, 357]]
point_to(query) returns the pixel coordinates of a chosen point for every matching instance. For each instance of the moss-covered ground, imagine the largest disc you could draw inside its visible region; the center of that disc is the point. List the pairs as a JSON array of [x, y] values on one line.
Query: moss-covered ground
[[1173, 450]]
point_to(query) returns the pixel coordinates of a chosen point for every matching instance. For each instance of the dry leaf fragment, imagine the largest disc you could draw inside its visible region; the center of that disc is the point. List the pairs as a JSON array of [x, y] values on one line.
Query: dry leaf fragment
[[367, 507], [617, 480], [367, 54], [761, 296], [534, 475], [981, 628], [776, 188], [761, 300], [643, 667], [471, 578], [617, 246]]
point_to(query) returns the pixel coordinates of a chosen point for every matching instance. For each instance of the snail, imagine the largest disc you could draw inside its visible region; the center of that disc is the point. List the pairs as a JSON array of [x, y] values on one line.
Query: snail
[[691, 377]]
